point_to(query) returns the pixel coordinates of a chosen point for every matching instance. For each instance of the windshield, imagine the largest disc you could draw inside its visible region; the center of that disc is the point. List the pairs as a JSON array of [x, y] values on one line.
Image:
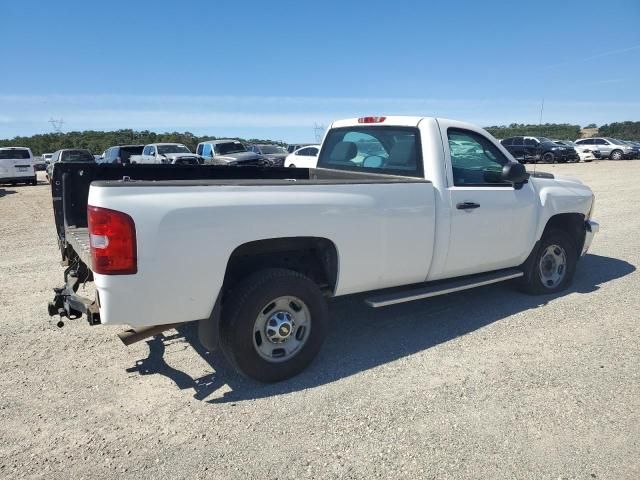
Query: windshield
[[269, 149], [77, 156], [14, 153], [164, 149], [229, 147], [615, 142], [544, 140]]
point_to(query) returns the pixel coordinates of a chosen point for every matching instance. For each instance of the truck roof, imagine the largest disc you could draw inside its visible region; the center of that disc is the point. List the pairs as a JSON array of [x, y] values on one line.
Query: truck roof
[[395, 120]]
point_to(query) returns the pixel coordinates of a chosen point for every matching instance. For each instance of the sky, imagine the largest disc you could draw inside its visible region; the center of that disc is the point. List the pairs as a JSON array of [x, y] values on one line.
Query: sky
[[275, 69]]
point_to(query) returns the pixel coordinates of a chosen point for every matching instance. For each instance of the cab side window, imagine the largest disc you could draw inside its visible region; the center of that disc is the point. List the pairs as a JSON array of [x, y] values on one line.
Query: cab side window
[[475, 160]]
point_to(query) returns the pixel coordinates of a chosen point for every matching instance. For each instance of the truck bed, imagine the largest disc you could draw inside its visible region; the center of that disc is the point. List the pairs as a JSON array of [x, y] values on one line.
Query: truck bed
[[71, 181]]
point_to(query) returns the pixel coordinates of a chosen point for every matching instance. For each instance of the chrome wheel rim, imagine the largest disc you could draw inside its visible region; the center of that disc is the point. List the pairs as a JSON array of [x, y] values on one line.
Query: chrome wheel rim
[[281, 329], [552, 266]]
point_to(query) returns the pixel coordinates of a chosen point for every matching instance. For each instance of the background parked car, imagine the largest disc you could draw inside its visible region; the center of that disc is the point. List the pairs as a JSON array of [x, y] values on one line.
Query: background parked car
[[17, 166], [305, 157], [274, 153], [228, 152], [120, 154], [173, 153], [585, 154], [609, 147], [46, 158], [635, 146], [538, 149], [68, 155], [296, 146]]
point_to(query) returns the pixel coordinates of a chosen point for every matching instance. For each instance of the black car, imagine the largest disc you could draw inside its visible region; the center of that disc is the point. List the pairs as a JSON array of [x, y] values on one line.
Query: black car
[[539, 149], [120, 153]]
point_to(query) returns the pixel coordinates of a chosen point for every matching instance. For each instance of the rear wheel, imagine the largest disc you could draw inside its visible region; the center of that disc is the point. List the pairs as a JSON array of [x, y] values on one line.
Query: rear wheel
[[616, 155], [273, 324], [553, 267]]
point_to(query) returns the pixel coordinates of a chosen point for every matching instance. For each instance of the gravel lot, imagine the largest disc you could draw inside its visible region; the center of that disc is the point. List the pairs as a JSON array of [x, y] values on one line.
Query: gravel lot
[[488, 383]]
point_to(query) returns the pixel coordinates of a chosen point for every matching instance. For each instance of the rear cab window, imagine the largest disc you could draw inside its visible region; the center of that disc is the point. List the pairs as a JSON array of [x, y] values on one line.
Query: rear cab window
[[15, 154], [374, 149]]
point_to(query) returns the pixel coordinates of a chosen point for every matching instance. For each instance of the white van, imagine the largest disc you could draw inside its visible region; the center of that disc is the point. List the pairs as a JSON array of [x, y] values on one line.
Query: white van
[[17, 166]]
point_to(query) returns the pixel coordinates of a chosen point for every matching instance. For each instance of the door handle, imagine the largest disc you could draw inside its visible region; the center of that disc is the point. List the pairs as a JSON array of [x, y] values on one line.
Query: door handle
[[467, 205]]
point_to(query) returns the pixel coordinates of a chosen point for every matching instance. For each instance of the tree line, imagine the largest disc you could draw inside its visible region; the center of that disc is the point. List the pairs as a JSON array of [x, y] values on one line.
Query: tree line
[[622, 130], [98, 141], [560, 131]]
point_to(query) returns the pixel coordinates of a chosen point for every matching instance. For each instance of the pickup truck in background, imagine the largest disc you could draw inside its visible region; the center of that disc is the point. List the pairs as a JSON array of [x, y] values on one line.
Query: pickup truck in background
[[171, 153], [229, 152], [439, 206]]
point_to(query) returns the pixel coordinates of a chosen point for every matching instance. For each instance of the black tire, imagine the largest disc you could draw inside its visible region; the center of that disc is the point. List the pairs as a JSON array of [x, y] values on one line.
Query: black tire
[[616, 155], [549, 158], [34, 182], [292, 166], [246, 301], [532, 281]]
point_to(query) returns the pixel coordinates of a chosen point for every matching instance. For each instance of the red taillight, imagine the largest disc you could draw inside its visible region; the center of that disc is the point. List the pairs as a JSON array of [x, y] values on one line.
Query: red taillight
[[112, 237], [371, 119]]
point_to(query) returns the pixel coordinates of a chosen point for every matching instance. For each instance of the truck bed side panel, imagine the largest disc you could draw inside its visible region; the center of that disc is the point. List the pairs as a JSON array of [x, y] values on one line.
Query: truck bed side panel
[[383, 232]]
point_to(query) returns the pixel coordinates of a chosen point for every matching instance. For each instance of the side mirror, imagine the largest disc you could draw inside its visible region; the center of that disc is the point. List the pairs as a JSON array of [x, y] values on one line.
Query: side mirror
[[515, 173]]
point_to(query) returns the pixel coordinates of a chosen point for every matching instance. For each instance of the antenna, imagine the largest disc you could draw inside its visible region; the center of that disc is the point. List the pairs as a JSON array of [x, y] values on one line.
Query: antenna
[[541, 110], [318, 130], [56, 124]]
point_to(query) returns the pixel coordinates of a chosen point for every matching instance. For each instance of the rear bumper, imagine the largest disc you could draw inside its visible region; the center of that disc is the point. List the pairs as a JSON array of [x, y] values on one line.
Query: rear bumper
[[24, 178], [591, 228]]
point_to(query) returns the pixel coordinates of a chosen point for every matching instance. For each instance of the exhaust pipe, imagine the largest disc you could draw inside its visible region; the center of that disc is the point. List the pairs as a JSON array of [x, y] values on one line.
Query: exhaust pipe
[[133, 336]]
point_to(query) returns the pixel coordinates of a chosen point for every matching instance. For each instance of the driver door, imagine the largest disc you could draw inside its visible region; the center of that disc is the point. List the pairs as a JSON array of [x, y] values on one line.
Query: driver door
[[493, 224]]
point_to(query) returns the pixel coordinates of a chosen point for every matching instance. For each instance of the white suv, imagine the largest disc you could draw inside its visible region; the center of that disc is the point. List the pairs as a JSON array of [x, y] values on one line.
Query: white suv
[[609, 147], [17, 166]]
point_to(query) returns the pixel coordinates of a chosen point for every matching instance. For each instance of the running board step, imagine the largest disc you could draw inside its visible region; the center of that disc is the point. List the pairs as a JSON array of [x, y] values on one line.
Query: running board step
[[443, 287]]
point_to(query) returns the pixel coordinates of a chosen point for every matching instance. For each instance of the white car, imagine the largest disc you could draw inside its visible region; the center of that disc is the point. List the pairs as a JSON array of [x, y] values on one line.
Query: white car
[[17, 166], [252, 254], [305, 157]]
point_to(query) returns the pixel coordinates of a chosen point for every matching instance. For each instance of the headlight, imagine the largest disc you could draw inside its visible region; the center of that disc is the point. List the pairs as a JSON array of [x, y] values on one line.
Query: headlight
[[556, 148], [593, 205]]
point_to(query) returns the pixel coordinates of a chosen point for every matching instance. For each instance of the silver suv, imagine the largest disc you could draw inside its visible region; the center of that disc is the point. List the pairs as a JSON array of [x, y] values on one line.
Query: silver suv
[[609, 147]]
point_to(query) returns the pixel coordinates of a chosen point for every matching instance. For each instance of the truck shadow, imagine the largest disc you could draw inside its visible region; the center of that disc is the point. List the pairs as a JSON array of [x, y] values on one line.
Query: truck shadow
[[4, 192], [368, 337]]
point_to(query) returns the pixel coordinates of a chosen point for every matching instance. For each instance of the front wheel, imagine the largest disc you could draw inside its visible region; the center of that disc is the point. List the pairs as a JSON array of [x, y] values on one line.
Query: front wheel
[[292, 166], [273, 324], [548, 158], [553, 267], [616, 155]]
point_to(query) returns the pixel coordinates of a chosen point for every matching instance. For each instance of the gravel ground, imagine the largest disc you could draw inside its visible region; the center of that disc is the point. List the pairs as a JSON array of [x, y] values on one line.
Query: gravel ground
[[488, 383]]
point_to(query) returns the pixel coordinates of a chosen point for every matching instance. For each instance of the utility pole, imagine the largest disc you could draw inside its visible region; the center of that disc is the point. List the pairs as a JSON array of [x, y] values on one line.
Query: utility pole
[[56, 124], [541, 110], [318, 131]]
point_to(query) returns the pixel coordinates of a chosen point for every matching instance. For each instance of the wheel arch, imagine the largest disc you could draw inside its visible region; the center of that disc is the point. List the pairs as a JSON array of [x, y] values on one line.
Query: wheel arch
[[314, 257], [570, 223]]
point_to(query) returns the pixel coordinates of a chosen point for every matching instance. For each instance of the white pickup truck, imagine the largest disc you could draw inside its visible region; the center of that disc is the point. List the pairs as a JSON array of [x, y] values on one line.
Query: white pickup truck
[[404, 208], [171, 153]]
